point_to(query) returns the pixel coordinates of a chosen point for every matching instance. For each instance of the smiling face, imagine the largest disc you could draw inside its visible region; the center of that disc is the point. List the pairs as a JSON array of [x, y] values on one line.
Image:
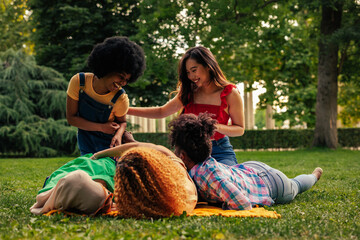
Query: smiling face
[[197, 73], [114, 81]]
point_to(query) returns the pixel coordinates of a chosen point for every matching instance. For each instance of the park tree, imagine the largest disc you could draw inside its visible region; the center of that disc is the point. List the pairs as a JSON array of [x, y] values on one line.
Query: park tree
[[15, 29], [66, 31], [32, 108], [159, 42], [291, 46], [253, 41], [287, 66], [326, 101], [339, 38]]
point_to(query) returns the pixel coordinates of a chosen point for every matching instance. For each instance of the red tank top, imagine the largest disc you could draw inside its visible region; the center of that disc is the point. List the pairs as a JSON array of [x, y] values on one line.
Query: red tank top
[[218, 111]]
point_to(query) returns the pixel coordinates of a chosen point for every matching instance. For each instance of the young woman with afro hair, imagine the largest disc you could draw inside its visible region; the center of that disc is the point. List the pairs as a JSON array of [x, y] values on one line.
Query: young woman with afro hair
[[96, 101]]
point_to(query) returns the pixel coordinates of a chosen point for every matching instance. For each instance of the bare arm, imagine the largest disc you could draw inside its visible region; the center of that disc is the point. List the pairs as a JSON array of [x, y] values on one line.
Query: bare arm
[[119, 150], [236, 112], [169, 108], [72, 108], [116, 140]]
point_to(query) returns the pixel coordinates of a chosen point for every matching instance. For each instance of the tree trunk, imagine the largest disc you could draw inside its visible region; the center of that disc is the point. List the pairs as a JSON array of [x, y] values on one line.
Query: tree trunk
[[326, 99]]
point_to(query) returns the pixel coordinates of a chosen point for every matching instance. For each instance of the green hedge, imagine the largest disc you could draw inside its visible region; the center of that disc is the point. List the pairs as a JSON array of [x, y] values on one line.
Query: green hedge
[[349, 137], [63, 142], [156, 138], [265, 139]]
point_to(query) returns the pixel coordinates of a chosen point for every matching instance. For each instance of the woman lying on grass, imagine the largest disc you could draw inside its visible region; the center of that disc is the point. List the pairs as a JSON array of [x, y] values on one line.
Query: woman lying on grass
[[237, 187], [150, 182]]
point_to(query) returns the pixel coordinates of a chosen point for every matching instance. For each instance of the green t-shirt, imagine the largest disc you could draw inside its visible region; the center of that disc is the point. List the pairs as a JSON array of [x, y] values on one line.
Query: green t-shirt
[[103, 168]]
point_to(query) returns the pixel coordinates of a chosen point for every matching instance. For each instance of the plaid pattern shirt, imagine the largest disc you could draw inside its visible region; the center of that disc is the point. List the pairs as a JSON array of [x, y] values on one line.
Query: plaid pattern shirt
[[236, 187]]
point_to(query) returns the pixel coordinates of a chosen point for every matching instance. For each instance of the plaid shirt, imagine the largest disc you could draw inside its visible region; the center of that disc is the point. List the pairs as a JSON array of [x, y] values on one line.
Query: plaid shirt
[[236, 187]]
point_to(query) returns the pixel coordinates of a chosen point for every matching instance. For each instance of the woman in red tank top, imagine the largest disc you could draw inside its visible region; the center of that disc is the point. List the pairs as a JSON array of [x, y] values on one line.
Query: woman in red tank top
[[203, 87]]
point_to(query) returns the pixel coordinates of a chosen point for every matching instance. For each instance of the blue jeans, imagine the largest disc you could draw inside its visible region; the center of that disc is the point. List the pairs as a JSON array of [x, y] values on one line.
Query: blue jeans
[[282, 189], [223, 151]]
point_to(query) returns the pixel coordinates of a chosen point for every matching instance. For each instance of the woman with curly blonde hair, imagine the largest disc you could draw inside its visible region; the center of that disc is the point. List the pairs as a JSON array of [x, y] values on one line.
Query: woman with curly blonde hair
[[150, 181], [148, 184]]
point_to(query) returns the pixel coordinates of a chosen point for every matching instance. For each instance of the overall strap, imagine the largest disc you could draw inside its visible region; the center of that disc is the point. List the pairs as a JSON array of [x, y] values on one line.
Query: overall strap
[[82, 80], [117, 95]]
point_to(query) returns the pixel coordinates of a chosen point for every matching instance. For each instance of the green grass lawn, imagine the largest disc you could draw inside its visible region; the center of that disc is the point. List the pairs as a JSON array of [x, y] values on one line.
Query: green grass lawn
[[330, 210]]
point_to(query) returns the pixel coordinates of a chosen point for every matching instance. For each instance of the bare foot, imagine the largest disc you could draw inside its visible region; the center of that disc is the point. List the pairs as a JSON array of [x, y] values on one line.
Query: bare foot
[[317, 172]]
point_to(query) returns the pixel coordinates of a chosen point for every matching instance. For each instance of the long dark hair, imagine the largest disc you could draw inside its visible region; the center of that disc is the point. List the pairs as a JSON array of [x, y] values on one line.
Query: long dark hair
[[204, 57]]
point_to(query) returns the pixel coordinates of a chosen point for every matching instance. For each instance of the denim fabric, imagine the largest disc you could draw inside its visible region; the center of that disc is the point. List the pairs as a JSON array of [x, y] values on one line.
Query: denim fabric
[[91, 110], [282, 189], [223, 151], [92, 142]]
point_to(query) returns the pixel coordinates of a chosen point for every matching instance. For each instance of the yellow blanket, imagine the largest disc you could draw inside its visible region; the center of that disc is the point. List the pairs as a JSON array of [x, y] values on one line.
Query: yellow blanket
[[205, 211]]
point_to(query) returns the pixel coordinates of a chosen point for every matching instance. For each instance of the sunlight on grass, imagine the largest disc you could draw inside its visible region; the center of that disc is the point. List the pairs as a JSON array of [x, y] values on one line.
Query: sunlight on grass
[[330, 210]]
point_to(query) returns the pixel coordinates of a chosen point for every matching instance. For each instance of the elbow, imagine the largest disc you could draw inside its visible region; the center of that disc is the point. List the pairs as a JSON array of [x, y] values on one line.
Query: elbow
[[70, 119], [242, 132], [238, 132]]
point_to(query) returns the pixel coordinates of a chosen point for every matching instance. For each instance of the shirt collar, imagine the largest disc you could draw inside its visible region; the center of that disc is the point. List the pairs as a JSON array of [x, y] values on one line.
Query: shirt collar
[[193, 170]]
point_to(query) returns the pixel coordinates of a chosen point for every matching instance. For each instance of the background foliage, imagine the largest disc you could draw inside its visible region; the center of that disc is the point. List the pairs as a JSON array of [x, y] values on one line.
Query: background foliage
[[32, 108], [271, 42], [15, 28], [66, 31]]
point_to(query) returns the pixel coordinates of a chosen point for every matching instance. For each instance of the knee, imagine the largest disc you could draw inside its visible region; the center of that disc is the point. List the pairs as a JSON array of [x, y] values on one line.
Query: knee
[[286, 198], [75, 179], [287, 191]]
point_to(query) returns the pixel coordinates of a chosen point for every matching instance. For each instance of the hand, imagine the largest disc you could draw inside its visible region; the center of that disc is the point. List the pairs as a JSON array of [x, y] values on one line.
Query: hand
[[93, 157], [113, 206], [110, 127], [115, 141]]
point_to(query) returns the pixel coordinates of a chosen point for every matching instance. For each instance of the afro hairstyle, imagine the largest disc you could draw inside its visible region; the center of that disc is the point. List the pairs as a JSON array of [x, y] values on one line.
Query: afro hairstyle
[[117, 55]]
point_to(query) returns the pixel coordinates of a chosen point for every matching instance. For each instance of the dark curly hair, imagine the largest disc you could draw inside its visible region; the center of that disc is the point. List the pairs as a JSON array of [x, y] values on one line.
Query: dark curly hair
[[192, 134], [117, 55]]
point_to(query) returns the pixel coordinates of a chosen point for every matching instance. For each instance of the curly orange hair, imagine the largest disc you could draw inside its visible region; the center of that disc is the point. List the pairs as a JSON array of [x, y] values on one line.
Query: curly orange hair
[[148, 185]]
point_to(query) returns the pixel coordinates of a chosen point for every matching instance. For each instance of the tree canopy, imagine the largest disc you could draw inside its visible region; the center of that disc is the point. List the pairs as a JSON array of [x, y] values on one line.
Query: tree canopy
[[284, 45], [15, 28], [66, 31]]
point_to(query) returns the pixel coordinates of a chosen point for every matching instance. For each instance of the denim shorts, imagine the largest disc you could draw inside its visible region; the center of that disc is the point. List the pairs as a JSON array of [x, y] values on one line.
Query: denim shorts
[[223, 151]]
